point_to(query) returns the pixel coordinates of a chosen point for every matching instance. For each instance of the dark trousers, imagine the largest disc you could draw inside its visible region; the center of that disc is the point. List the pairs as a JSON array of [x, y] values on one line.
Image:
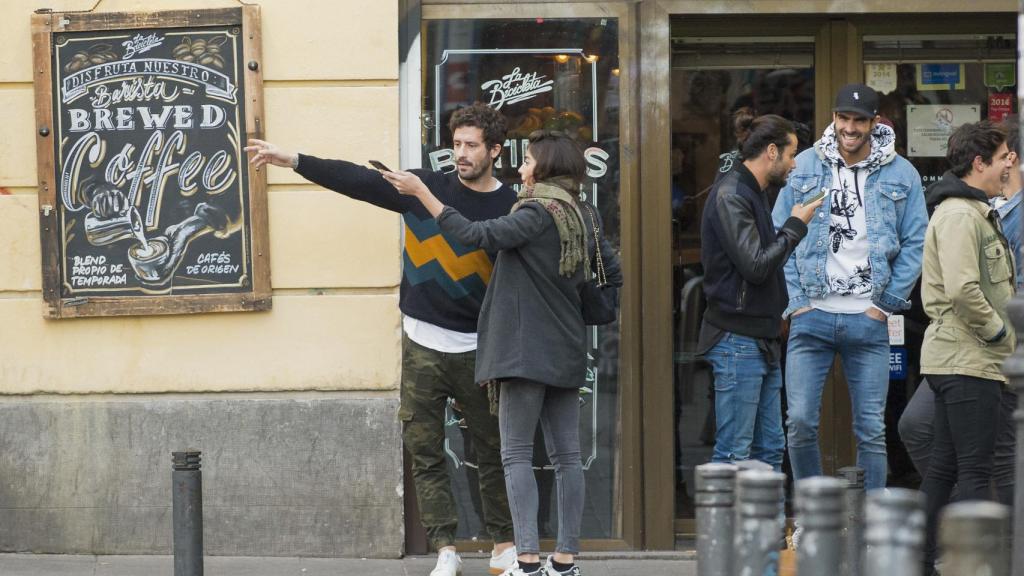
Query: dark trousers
[[917, 432], [429, 378], [967, 421]]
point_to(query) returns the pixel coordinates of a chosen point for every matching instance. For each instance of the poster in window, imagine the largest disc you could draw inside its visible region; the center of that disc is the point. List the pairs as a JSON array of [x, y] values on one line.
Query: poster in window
[[881, 76], [930, 125], [147, 202], [940, 77], [1000, 105], [1000, 75]]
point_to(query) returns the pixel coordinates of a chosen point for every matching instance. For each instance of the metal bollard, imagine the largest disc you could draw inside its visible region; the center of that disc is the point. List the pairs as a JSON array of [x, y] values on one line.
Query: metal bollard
[[974, 538], [853, 527], [716, 493], [894, 532], [819, 503], [758, 531], [187, 503]]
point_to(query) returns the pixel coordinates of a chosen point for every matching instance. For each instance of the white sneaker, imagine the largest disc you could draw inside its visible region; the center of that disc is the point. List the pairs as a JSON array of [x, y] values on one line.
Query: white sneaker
[[794, 539], [448, 564], [503, 562]]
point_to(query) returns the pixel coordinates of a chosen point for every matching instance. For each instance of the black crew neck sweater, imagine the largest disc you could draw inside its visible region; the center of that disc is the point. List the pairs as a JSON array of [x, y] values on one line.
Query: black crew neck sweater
[[443, 282]]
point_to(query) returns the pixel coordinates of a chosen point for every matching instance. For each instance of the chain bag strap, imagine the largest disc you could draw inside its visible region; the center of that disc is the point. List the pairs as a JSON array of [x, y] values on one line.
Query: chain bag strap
[[602, 279], [598, 299]]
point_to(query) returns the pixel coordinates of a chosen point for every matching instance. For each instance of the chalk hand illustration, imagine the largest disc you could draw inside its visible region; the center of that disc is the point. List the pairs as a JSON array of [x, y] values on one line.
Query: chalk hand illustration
[[155, 260], [112, 217]]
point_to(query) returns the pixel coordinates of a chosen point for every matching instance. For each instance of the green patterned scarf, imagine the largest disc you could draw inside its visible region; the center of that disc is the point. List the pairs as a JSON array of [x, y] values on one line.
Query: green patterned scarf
[[556, 196]]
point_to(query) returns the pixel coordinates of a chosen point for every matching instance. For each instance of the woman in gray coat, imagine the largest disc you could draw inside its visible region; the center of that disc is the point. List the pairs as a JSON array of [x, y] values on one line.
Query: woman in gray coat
[[532, 338]]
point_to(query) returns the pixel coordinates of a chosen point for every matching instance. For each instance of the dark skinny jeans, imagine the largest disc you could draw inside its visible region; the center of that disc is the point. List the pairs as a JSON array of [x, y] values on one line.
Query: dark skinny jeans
[[917, 432], [967, 421]]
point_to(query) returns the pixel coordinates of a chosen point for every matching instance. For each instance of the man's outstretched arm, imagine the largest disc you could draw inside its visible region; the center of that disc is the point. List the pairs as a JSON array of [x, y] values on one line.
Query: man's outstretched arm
[[346, 178]]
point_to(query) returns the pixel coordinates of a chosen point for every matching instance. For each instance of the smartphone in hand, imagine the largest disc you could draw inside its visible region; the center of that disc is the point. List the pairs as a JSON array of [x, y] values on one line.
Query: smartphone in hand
[[816, 197], [379, 166]]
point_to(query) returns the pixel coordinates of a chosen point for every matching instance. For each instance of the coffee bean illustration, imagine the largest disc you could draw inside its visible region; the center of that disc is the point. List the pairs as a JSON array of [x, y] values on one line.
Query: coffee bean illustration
[[93, 56], [201, 51]]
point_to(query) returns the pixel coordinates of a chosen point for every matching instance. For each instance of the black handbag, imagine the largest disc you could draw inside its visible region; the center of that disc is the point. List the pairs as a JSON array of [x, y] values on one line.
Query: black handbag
[[599, 300]]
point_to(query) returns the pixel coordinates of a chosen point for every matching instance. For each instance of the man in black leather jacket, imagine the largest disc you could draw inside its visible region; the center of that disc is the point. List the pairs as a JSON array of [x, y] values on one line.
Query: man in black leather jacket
[[743, 256]]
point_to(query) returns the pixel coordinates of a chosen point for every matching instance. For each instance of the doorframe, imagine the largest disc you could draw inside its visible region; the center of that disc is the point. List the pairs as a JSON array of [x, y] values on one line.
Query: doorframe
[[841, 24], [629, 469]]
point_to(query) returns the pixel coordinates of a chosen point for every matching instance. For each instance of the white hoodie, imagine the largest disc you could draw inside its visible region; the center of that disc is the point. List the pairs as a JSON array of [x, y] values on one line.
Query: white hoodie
[[847, 267]]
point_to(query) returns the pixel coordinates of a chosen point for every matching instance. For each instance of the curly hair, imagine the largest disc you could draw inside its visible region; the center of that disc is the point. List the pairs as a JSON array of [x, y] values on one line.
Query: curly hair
[[970, 141], [482, 116]]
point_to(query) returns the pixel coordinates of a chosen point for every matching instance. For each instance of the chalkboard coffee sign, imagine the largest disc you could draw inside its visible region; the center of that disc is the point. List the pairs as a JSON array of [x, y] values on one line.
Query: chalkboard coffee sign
[[147, 201]]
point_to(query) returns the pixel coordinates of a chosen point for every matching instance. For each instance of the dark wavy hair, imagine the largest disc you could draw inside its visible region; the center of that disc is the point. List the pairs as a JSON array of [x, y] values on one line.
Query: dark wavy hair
[[762, 131], [482, 116], [556, 154], [971, 140]]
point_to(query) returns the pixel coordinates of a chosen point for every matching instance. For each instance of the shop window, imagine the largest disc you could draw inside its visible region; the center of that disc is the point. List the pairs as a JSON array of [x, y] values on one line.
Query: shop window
[[932, 84], [541, 73], [929, 86], [714, 79]]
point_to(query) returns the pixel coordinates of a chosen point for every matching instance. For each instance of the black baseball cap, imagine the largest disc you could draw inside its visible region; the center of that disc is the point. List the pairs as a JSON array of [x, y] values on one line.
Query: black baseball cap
[[857, 98]]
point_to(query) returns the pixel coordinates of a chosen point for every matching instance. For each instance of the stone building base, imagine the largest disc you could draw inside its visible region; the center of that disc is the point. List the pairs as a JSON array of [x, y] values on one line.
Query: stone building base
[[283, 475]]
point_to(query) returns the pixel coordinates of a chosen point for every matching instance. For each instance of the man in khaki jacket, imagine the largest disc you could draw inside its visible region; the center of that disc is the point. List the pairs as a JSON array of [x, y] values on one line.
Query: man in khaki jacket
[[967, 281]]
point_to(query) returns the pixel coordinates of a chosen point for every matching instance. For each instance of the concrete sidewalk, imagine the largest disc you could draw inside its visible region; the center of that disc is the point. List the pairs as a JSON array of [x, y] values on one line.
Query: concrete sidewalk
[[594, 564]]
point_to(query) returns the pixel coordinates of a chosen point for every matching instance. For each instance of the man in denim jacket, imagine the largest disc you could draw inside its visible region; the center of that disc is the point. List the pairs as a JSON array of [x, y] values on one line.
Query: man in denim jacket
[[857, 265]]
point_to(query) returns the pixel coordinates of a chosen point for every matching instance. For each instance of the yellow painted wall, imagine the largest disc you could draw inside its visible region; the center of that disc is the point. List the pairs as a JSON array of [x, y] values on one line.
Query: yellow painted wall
[[331, 70]]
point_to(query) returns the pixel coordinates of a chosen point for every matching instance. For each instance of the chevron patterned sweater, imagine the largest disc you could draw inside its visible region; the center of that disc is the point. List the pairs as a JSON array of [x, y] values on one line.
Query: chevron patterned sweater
[[443, 282]]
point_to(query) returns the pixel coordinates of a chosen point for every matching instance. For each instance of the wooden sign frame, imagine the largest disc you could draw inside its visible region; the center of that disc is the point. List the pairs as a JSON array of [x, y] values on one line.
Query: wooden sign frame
[[145, 294]]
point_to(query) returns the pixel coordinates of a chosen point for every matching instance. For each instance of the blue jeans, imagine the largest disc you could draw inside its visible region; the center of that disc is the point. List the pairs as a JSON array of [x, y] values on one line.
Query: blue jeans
[[748, 406], [862, 342]]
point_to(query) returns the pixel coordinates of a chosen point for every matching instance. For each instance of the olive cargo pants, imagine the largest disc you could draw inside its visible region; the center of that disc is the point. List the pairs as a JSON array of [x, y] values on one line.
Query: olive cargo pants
[[429, 378]]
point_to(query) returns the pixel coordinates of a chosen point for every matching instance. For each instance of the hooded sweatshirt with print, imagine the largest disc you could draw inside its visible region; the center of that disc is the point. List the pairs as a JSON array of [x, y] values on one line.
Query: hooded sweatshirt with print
[[891, 200], [848, 268]]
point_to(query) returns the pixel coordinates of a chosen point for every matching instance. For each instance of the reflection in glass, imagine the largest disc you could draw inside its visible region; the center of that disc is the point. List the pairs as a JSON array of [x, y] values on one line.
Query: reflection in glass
[[913, 91], [714, 79], [553, 74], [923, 112]]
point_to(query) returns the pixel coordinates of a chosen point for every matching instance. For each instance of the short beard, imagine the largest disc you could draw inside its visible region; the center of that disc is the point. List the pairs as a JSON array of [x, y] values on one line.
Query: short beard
[[477, 174], [776, 178]]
